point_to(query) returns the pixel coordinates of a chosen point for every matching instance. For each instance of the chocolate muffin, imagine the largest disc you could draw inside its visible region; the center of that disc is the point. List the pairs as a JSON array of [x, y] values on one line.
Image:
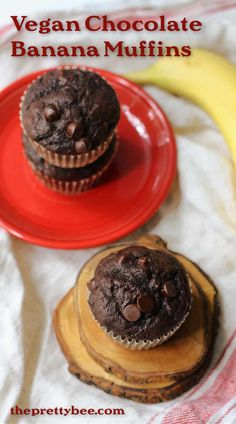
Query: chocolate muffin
[[70, 115], [70, 179], [140, 296]]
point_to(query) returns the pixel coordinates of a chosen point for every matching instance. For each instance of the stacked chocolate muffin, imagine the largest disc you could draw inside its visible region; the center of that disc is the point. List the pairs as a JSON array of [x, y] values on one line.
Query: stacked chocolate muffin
[[69, 119]]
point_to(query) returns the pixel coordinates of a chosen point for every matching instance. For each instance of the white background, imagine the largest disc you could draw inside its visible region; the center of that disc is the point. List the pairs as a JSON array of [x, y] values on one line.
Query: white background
[[15, 7]]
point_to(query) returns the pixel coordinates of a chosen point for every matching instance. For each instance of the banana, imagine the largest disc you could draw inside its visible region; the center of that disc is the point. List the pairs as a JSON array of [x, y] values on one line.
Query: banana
[[205, 78]]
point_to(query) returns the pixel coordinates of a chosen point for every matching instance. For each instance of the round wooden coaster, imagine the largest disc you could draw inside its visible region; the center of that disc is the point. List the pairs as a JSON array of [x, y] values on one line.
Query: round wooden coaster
[[142, 386], [177, 357]]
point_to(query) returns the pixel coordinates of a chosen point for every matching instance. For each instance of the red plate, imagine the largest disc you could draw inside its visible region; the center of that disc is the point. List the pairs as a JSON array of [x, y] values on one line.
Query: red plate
[[129, 194]]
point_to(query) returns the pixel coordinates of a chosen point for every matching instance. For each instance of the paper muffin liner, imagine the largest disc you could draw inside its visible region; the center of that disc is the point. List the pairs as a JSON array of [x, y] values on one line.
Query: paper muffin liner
[[133, 344], [72, 187], [144, 344], [65, 161]]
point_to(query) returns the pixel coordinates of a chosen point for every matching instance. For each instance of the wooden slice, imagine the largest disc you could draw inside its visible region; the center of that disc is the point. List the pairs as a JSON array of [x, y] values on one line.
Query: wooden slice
[[178, 357], [83, 366], [175, 358], [145, 388]]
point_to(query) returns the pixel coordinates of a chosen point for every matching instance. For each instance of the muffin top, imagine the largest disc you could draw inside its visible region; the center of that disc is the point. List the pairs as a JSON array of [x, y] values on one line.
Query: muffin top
[[139, 293], [70, 111], [68, 174]]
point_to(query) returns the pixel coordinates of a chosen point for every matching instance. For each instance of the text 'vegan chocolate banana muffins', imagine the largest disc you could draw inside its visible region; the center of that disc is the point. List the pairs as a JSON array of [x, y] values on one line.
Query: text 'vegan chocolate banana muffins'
[[69, 116], [140, 296]]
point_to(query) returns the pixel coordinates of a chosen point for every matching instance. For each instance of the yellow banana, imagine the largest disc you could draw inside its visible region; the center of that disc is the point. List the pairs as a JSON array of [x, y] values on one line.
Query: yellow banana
[[206, 78]]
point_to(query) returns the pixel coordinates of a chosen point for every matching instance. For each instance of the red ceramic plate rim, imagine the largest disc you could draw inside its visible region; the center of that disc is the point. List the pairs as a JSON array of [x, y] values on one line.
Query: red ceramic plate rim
[[138, 221]]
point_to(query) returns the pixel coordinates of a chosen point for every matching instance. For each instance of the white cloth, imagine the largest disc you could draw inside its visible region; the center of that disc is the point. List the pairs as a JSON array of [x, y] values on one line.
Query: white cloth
[[198, 219]]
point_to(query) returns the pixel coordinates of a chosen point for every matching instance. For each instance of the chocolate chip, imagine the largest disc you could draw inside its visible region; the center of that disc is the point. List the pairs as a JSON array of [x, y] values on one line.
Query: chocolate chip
[[146, 303], [121, 260], [91, 285], [51, 113], [169, 289], [80, 147], [75, 130], [131, 312], [62, 81], [142, 261], [71, 129]]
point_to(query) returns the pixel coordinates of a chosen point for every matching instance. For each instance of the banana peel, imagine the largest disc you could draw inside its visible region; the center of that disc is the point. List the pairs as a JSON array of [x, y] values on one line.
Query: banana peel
[[205, 78]]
